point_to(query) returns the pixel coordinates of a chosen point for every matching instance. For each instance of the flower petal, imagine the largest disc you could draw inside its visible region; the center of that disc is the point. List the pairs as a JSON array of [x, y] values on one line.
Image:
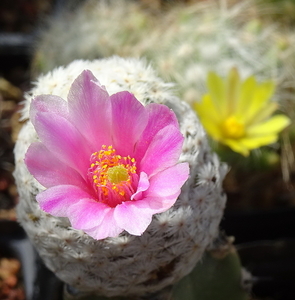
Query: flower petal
[[212, 128], [209, 116], [246, 93], [143, 185], [168, 182], [206, 109], [244, 145], [271, 126], [161, 204], [129, 120], [63, 139], [133, 216], [57, 200], [233, 84], [236, 146], [163, 152], [90, 109], [87, 214], [267, 110], [217, 89], [49, 170], [107, 228], [159, 116], [261, 96], [256, 142], [48, 103]]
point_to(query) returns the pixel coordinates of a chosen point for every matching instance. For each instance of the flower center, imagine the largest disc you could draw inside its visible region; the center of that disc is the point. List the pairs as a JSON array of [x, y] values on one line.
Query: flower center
[[112, 176], [117, 174], [233, 128]]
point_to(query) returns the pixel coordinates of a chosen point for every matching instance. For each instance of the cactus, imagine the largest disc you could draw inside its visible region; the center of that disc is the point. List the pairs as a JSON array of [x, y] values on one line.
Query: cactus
[[98, 29], [219, 275], [183, 42], [174, 241]]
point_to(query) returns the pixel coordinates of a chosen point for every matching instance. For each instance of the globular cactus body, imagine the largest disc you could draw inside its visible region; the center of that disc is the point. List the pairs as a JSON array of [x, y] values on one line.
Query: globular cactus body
[[174, 241]]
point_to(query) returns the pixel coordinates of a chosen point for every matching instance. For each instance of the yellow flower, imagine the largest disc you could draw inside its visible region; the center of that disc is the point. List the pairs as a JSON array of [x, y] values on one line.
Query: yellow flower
[[238, 113]]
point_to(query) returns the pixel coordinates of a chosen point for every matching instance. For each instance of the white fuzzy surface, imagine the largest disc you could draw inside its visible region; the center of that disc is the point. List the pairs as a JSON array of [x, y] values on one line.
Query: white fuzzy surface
[[175, 240]]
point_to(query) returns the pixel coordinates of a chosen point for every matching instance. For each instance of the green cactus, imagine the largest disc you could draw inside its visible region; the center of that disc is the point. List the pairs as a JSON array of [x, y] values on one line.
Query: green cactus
[[218, 276]]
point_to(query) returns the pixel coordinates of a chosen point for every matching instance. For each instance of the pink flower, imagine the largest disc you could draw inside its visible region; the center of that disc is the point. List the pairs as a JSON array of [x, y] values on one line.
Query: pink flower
[[108, 162]]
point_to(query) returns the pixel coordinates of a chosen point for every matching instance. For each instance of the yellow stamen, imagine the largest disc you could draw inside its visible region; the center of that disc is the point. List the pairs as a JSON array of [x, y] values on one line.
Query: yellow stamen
[[233, 128], [112, 175]]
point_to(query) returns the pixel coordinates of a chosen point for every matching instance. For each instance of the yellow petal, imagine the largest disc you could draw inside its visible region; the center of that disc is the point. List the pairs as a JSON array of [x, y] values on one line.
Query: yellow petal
[[256, 142], [246, 93], [232, 91], [213, 129], [206, 109], [263, 114], [216, 88], [236, 146], [272, 126], [209, 116], [244, 145], [261, 96]]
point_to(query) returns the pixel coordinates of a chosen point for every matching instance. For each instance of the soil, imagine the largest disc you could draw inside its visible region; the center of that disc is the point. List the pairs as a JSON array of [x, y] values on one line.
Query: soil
[[10, 285]]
